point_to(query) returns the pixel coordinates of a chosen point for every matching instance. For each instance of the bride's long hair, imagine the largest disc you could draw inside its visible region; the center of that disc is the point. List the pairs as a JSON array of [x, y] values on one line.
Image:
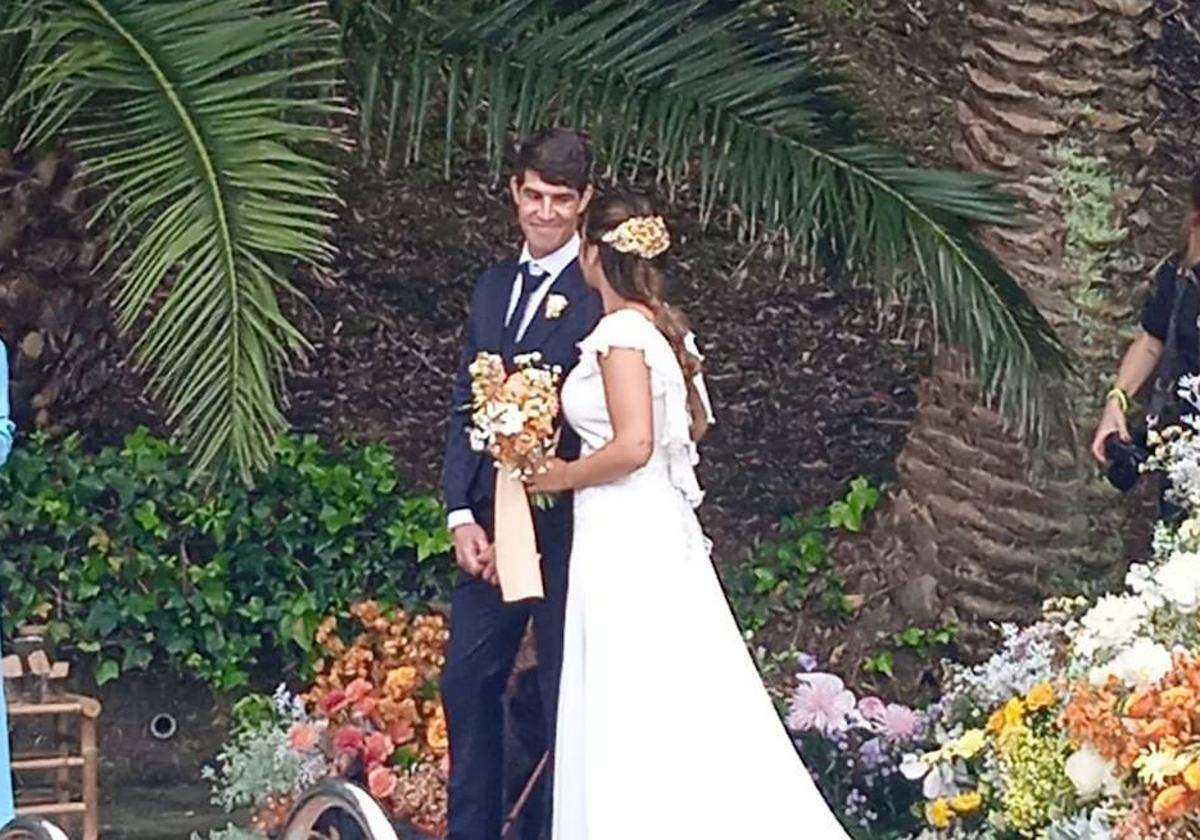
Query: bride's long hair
[[642, 281]]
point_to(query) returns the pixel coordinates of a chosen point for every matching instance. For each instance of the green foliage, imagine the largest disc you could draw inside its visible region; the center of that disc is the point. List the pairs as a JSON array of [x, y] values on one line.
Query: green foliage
[[784, 575], [1090, 214], [129, 561], [923, 641], [729, 100], [229, 832], [202, 122]]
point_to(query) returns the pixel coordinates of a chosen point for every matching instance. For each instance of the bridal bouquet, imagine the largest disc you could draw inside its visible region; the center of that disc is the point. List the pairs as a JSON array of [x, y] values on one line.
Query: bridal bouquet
[[513, 415], [513, 419]]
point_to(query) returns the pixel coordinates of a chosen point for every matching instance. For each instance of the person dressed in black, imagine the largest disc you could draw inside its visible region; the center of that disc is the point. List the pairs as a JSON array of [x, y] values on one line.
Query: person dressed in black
[[1167, 343]]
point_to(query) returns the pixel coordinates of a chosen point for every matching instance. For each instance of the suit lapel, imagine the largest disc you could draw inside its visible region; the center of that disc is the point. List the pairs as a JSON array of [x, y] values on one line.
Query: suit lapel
[[500, 286], [542, 328]]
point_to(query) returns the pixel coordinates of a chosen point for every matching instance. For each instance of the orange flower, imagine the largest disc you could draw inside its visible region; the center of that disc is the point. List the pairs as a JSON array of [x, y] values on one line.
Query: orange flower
[[1172, 803], [436, 735], [995, 723], [401, 680], [302, 737], [382, 782], [1191, 776]]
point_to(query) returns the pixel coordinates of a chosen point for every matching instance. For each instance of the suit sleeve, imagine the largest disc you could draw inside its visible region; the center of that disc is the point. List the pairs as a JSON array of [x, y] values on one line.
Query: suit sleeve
[[462, 462]]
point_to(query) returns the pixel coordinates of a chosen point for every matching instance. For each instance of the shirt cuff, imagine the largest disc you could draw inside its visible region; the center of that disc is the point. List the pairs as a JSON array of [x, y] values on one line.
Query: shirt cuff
[[462, 516]]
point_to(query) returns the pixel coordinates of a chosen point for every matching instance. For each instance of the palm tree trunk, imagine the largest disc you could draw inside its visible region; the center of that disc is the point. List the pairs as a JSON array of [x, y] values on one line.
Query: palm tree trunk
[[63, 355], [968, 509]]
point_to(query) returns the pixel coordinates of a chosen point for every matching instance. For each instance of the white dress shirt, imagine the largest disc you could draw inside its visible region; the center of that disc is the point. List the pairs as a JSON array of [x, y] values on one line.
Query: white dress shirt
[[547, 268]]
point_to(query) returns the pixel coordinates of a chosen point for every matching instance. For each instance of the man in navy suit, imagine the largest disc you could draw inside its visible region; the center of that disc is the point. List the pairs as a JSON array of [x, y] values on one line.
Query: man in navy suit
[[536, 301]]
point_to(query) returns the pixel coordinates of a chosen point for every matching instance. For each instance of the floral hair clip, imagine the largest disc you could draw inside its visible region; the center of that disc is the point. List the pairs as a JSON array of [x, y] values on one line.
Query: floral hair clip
[[644, 236]]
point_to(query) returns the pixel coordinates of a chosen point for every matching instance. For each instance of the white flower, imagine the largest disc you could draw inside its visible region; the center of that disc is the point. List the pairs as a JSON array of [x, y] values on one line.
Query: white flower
[[1112, 623], [503, 419], [1142, 663], [1091, 774], [556, 305], [1179, 581]]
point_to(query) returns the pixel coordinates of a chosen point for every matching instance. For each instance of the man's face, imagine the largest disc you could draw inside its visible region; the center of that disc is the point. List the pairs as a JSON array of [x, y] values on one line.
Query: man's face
[[548, 214]]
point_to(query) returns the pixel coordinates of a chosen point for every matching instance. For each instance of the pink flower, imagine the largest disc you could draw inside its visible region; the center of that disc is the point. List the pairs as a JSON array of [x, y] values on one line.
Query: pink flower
[[381, 782], [302, 737], [349, 739], [332, 703], [890, 720], [377, 749], [822, 703], [357, 690]]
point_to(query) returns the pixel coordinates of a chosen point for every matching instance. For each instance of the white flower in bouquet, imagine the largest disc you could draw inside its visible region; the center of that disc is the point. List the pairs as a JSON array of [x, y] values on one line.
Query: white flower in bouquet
[[1112, 623], [1141, 664], [1179, 581]]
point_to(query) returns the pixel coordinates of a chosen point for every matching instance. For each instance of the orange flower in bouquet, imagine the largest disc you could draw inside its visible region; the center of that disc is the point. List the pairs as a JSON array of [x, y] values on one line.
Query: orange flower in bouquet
[[513, 416], [377, 700]]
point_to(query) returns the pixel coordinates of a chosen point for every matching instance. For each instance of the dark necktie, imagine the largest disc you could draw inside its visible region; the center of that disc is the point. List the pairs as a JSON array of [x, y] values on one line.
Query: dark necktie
[[529, 283]]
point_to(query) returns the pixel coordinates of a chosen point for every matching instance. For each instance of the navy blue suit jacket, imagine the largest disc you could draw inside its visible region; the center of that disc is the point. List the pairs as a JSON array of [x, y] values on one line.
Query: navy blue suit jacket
[[469, 477]]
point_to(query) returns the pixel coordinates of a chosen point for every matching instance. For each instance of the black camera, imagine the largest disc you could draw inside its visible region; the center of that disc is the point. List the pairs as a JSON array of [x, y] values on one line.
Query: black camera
[[1125, 458]]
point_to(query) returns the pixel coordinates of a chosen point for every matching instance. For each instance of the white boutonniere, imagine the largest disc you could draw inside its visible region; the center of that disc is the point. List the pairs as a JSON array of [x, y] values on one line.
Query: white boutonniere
[[556, 305]]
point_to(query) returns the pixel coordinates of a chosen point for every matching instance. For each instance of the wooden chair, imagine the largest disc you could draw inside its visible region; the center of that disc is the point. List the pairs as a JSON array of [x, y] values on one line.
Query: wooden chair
[[36, 692]]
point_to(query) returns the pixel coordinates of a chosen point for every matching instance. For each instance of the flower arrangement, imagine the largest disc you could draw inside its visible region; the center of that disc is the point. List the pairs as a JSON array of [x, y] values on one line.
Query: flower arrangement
[[1083, 726], [372, 714], [513, 416], [854, 747]]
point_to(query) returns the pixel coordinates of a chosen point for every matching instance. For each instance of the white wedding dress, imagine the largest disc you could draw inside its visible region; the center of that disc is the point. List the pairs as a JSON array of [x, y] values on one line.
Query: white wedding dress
[[664, 728]]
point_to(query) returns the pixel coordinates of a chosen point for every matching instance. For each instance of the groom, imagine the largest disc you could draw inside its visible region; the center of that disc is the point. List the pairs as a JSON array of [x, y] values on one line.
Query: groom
[[536, 301]]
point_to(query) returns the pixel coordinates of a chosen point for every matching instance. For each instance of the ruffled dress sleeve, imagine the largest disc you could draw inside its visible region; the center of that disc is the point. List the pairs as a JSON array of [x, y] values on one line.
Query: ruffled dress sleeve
[[627, 329]]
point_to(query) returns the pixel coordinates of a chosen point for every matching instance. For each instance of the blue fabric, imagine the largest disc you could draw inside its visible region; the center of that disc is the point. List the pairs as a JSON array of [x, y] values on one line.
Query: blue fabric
[[6, 435], [6, 793], [6, 425]]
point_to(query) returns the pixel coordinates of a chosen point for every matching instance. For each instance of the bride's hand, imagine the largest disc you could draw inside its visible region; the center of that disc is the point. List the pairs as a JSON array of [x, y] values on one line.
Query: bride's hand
[[552, 479]]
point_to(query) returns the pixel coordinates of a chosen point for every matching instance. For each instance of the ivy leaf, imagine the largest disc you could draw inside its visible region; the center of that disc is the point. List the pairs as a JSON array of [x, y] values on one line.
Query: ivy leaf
[[106, 671]]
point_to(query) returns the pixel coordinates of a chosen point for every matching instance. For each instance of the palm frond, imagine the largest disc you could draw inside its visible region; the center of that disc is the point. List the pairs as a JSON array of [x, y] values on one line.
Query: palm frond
[[197, 118], [712, 93]]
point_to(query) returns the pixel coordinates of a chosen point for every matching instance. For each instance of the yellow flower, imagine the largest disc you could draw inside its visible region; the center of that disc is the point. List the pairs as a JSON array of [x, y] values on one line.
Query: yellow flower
[[967, 803], [938, 813], [1191, 776], [1041, 696], [1155, 766], [969, 745], [995, 723], [401, 680]]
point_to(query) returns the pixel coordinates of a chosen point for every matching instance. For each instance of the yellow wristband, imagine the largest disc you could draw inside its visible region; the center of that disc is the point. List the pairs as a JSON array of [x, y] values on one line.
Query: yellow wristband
[[1121, 397]]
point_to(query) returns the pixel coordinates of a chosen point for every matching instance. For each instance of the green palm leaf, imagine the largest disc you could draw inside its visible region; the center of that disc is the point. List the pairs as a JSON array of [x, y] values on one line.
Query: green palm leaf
[[198, 119], [731, 101]]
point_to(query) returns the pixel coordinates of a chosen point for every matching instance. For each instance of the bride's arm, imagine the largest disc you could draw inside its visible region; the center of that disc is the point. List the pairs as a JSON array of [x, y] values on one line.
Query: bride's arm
[[631, 412]]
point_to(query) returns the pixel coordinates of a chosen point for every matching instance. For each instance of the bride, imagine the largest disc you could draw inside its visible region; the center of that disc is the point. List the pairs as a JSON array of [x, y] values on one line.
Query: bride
[[664, 727]]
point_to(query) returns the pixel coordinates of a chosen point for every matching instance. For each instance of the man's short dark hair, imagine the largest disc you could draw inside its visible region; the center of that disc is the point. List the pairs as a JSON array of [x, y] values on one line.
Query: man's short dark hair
[[560, 156]]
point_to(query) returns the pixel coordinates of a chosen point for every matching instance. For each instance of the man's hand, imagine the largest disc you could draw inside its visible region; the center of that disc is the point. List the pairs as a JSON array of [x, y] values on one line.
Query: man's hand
[[472, 549], [1111, 423]]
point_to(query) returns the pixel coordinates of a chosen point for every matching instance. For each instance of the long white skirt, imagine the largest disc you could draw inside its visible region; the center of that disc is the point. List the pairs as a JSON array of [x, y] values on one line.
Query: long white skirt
[[664, 727]]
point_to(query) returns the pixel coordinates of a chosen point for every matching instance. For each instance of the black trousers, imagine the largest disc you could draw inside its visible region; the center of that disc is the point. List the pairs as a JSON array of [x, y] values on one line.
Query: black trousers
[[485, 634]]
